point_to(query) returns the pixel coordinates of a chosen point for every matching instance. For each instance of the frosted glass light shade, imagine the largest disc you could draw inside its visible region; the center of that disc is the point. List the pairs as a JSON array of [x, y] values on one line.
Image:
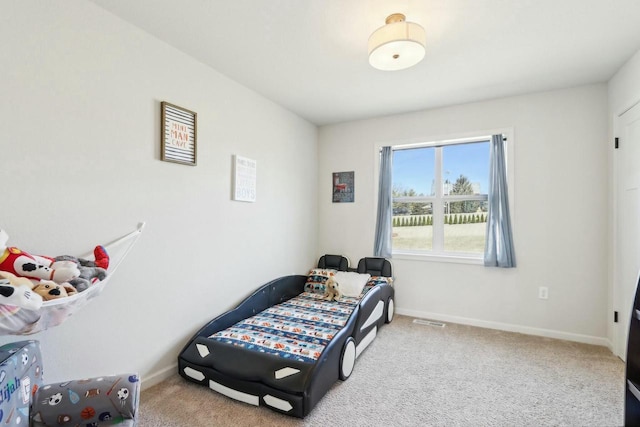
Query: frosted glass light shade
[[397, 45]]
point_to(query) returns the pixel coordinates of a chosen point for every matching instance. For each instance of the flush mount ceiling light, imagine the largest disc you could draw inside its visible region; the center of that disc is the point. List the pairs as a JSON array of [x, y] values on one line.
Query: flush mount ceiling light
[[397, 45]]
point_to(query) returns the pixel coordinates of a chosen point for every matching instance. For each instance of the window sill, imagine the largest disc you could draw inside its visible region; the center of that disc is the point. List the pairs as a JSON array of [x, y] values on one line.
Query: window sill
[[458, 258]]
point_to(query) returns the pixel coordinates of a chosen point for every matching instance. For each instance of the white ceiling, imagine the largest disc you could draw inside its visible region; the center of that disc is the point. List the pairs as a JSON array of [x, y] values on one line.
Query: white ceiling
[[310, 56]]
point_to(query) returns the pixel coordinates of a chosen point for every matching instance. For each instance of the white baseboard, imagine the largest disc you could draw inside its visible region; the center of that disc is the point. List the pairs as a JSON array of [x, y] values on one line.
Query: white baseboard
[[159, 376], [549, 333]]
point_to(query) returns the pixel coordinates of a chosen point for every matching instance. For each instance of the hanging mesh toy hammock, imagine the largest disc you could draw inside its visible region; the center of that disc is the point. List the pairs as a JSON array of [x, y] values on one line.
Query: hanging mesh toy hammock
[[21, 321]]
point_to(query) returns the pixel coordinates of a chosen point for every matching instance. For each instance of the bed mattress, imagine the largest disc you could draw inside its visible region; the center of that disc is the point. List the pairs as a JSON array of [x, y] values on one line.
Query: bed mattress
[[298, 329]]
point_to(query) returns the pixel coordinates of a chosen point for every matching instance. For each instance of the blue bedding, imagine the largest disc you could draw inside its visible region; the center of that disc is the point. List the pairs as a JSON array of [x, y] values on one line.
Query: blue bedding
[[298, 329]]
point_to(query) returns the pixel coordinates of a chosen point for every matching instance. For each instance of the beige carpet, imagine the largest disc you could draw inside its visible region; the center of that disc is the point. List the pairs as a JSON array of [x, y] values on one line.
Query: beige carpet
[[414, 375]]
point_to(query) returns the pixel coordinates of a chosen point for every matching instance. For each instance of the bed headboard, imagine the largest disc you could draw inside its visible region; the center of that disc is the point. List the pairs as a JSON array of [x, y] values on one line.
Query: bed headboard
[[375, 266], [336, 262]]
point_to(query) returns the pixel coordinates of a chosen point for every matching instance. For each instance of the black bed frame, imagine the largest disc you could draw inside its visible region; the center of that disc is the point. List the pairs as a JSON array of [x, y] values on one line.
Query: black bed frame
[[244, 371]]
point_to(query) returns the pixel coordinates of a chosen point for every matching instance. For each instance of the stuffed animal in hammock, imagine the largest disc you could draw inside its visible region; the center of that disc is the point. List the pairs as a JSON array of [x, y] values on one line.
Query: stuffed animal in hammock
[[35, 267], [90, 271], [49, 290], [332, 291], [16, 291]]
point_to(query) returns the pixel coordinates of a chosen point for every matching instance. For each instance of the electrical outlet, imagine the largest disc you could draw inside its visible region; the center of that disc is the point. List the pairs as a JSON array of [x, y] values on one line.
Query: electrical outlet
[[543, 292]]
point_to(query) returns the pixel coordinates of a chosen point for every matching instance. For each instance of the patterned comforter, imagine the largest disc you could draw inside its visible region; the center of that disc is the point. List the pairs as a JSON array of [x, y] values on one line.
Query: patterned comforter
[[297, 329]]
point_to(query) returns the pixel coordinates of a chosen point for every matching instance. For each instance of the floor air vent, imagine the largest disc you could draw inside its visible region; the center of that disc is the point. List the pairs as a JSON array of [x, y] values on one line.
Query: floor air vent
[[429, 323]]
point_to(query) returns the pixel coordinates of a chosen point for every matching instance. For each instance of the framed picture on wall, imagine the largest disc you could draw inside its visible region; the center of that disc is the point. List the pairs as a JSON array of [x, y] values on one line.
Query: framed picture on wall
[[179, 134], [244, 179], [343, 187]]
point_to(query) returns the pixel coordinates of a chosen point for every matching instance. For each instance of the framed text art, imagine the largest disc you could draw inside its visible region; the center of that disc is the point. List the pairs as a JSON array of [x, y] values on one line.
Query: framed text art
[[244, 179], [179, 134], [343, 187]]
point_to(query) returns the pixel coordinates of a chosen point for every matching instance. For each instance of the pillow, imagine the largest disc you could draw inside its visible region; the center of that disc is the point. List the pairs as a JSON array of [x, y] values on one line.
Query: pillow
[[380, 280], [317, 279], [351, 284]]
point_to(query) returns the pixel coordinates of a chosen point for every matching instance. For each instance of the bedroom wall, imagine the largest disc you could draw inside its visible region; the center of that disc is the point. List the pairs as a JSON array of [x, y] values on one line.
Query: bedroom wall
[[80, 117], [560, 213], [624, 86]]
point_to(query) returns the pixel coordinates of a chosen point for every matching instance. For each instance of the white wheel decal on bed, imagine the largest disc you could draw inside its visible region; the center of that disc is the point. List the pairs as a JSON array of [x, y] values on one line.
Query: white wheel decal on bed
[[348, 359], [390, 310]]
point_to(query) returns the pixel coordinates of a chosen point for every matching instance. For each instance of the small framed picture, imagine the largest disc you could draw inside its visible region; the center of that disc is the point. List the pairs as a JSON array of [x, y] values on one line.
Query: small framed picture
[[343, 187], [179, 134], [244, 179]]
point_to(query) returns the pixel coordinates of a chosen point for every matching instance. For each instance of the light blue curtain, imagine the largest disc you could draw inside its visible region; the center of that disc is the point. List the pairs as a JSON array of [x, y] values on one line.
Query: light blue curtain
[[498, 250], [382, 245]]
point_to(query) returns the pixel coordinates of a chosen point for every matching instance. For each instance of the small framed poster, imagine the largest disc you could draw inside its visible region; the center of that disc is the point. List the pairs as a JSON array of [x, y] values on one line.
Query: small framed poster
[[343, 187], [244, 179], [179, 134]]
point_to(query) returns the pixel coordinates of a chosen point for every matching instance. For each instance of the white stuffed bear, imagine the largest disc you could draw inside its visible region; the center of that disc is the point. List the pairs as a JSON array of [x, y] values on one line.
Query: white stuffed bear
[[34, 267], [332, 291]]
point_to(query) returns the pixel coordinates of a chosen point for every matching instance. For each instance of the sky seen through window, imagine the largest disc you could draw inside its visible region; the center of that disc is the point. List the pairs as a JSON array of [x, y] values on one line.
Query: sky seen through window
[[414, 168]]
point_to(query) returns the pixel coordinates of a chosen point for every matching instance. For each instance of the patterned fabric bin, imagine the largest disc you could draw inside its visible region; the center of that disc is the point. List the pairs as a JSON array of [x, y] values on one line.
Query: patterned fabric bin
[[100, 401], [20, 377]]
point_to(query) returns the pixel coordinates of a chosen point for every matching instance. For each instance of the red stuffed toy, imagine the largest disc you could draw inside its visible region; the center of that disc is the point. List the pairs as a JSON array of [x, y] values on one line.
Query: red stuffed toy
[[34, 267]]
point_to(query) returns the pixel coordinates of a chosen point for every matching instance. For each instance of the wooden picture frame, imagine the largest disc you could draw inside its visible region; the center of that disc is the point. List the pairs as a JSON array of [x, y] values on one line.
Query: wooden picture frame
[[179, 128]]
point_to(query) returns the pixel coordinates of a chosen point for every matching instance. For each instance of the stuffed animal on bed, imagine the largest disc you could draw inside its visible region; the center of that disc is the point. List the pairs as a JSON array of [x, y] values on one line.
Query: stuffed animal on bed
[[34, 267], [90, 271], [49, 290], [332, 291]]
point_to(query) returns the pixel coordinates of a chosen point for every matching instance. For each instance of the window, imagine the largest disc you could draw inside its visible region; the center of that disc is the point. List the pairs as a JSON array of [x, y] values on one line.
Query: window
[[440, 198]]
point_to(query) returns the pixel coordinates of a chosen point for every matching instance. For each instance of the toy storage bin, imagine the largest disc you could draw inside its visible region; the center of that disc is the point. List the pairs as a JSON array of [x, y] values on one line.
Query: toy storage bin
[[99, 401], [20, 377], [25, 401]]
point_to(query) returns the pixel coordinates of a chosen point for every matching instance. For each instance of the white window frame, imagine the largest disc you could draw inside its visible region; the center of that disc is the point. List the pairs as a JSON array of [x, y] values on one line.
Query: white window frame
[[437, 253]]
